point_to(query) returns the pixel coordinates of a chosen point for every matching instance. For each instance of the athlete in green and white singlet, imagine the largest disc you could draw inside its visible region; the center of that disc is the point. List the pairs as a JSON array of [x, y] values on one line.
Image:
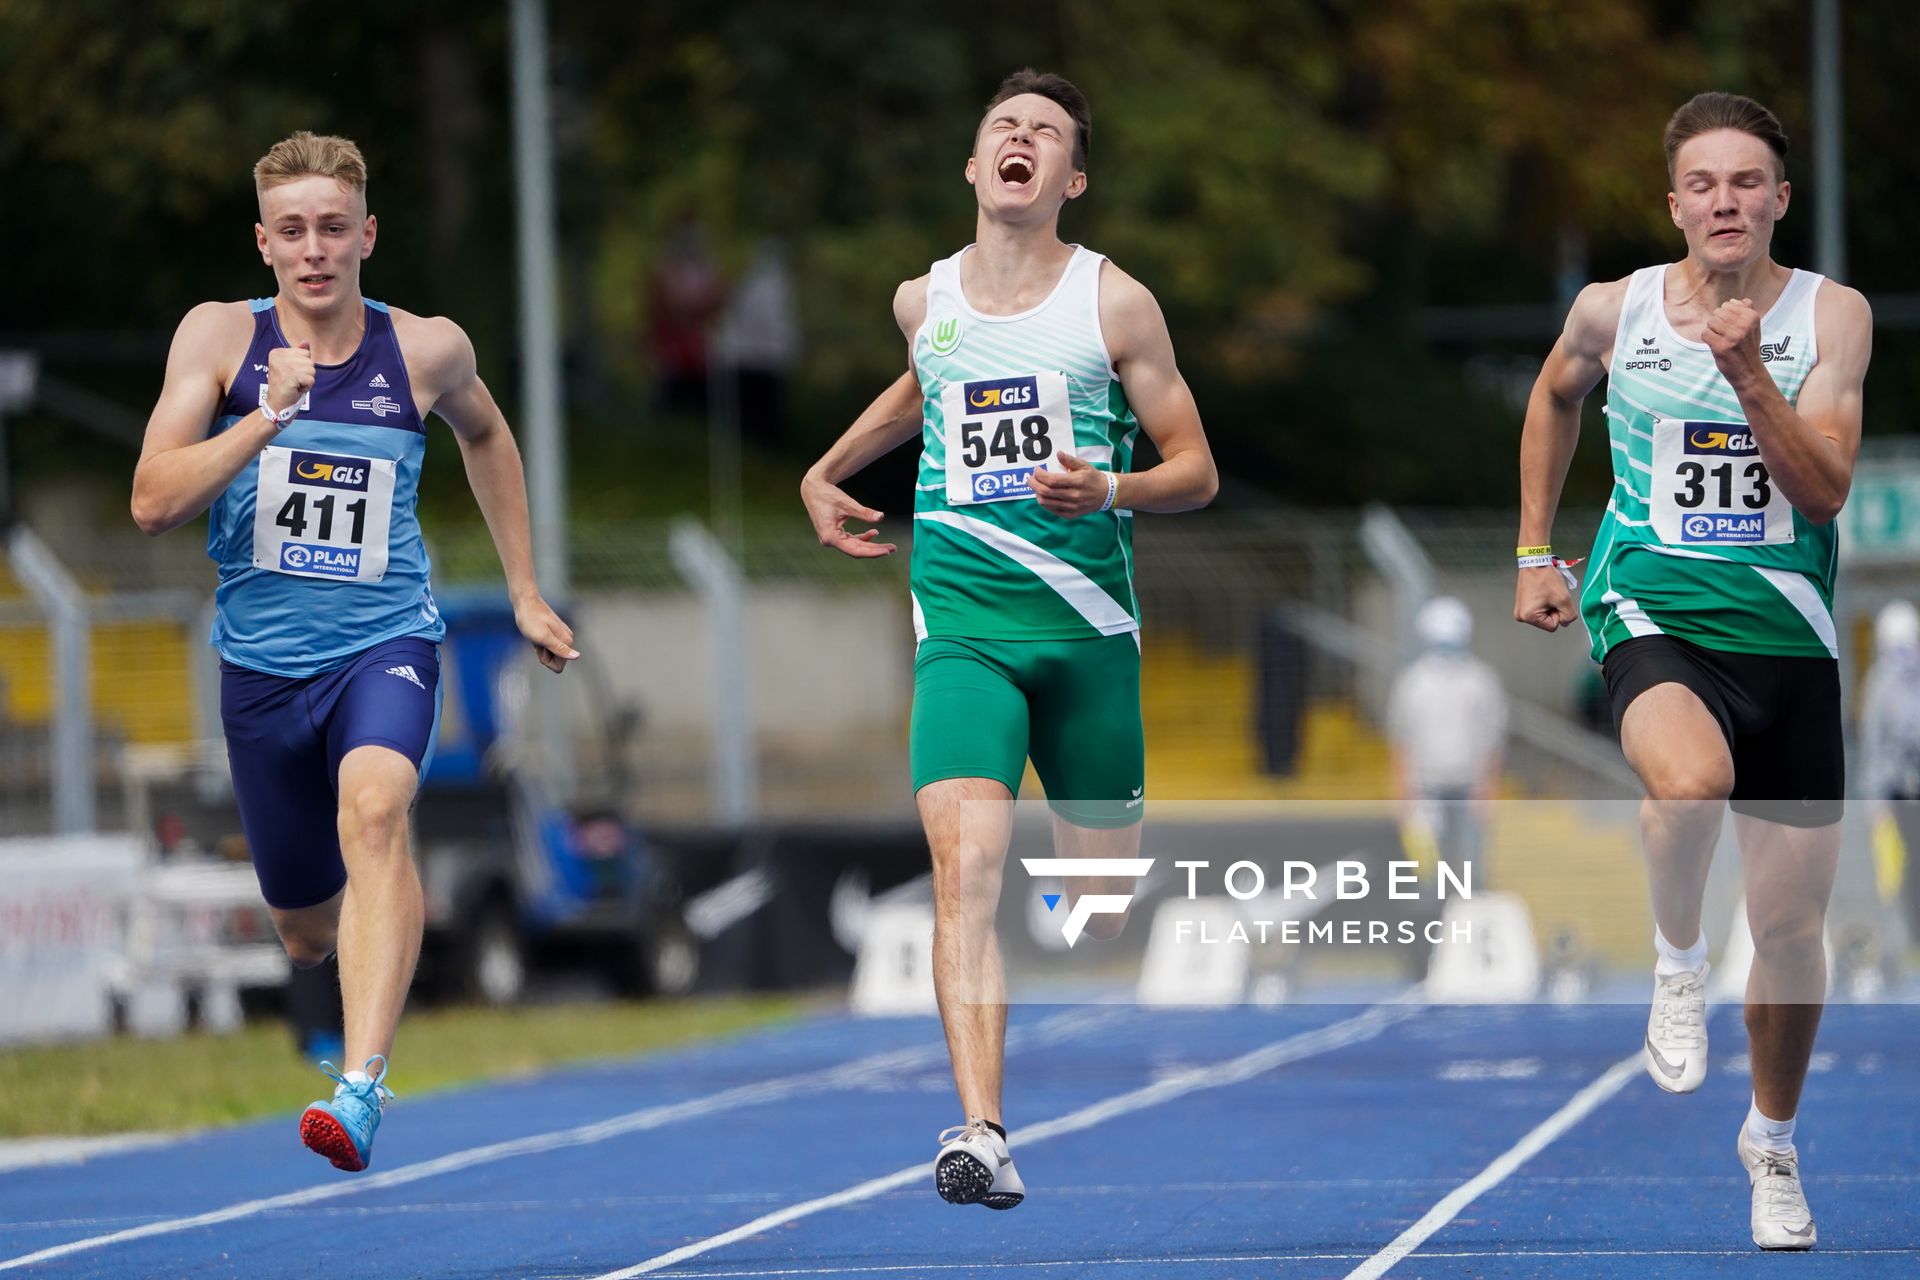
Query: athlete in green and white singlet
[[1003, 395], [1034, 366], [1697, 541], [1734, 403]]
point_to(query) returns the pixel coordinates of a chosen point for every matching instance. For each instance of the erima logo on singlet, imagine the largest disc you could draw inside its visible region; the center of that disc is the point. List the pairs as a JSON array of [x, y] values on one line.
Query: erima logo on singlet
[[1003, 393], [1703, 438], [328, 471]]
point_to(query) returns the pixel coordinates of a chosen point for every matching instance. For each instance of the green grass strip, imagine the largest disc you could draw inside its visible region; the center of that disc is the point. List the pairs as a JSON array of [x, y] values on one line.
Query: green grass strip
[[194, 1081]]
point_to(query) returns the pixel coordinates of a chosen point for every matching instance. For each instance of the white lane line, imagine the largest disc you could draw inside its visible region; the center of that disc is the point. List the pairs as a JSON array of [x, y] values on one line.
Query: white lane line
[[1362, 1026], [494, 1208], [1186, 1260], [1576, 1109], [861, 1071]]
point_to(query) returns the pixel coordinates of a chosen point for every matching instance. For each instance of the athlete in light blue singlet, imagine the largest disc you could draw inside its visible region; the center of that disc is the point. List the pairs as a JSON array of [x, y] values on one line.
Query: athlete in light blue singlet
[[299, 423]]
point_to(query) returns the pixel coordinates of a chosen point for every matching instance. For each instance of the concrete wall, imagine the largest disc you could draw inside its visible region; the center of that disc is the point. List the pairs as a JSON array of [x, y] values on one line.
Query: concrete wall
[[820, 663]]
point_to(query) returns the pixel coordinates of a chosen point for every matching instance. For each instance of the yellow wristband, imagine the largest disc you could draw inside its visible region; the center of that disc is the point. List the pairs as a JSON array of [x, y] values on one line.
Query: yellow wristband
[[1533, 551]]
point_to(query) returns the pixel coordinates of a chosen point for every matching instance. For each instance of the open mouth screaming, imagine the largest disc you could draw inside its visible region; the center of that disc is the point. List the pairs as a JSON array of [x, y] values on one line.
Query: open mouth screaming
[[1016, 170]]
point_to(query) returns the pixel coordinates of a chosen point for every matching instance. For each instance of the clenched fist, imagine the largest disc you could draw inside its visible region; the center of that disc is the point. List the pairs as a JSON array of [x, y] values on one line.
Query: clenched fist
[[1733, 335], [1542, 599], [289, 376]]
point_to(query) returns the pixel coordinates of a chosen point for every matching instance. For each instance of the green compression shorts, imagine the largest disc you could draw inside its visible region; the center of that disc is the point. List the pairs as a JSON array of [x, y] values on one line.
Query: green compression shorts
[[982, 707]]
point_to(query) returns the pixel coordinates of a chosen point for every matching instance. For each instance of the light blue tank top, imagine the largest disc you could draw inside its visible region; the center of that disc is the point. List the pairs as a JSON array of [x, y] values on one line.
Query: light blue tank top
[[318, 539]]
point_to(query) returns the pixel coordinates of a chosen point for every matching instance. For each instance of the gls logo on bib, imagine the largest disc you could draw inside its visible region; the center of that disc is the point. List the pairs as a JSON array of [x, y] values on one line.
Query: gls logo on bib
[[1002, 393], [1703, 440], [328, 471]]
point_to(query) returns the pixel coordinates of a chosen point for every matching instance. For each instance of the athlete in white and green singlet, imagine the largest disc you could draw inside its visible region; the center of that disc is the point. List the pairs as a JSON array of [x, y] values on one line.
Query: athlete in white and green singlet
[[1034, 365], [1733, 414]]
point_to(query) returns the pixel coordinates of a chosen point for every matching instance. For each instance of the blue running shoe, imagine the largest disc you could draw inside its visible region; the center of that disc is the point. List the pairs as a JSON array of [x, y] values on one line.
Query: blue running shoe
[[342, 1130]]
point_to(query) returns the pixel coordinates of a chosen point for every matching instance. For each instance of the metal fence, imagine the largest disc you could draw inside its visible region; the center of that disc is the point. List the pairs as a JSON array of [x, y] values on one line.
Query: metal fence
[[829, 652]]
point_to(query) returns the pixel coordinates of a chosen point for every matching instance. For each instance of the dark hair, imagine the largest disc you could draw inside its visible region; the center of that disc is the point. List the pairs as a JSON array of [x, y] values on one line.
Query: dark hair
[[1058, 89], [1706, 112]]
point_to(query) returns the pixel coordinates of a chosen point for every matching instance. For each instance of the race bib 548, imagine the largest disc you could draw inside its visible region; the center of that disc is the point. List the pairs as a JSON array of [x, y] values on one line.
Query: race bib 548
[[999, 430]]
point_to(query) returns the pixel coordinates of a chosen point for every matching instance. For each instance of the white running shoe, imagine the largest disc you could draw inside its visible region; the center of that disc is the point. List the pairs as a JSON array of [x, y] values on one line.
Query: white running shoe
[[975, 1168], [1781, 1219], [1677, 1031]]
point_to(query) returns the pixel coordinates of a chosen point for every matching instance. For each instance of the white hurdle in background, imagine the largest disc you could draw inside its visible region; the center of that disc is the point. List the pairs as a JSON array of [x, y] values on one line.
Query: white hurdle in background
[[893, 970], [1498, 964], [1179, 970]]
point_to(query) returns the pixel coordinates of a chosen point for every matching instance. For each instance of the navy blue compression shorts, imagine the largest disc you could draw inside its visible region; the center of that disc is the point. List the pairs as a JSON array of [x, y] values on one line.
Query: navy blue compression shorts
[[286, 738]]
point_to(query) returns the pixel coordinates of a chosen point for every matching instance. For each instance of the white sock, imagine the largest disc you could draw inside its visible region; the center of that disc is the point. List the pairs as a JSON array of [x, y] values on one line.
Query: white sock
[[1678, 959], [1768, 1135], [358, 1077]]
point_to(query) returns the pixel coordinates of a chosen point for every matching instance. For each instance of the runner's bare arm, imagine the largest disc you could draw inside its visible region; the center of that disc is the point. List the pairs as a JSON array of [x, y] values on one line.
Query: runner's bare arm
[[1142, 355], [446, 379], [1552, 429], [889, 422], [1572, 369], [1809, 447], [181, 471]]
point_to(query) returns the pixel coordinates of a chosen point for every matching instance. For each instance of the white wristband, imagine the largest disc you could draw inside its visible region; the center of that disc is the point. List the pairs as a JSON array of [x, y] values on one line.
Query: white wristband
[[1113, 488]]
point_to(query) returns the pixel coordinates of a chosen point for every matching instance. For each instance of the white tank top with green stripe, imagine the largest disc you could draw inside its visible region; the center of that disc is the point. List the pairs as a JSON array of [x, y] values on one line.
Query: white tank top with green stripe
[[1697, 542], [1002, 395]]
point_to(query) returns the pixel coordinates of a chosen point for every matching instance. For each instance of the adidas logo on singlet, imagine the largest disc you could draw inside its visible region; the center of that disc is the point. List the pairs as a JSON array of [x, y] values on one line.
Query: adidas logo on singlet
[[379, 380], [406, 673]]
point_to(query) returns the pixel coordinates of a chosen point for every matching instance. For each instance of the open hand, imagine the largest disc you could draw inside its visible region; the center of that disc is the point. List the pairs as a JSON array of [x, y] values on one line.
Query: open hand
[[551, 638], [830, 507]]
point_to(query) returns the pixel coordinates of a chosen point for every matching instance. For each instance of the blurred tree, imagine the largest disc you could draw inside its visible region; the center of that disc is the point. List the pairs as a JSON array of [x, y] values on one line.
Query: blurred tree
[[1295, 181]]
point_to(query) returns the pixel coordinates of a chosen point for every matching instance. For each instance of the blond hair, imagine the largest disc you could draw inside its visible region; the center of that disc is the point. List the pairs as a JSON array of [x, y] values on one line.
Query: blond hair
[[307, 155]]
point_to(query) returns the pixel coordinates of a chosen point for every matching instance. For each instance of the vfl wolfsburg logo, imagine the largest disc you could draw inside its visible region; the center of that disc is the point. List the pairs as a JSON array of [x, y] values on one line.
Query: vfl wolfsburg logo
[[946, 336]]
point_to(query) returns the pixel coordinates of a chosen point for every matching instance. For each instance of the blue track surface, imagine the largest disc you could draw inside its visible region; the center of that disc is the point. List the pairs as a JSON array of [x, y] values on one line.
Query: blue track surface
[[1307, 1166]]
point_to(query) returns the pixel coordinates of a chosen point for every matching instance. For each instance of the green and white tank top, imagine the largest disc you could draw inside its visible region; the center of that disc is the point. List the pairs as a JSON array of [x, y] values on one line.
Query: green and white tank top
[[1697, 542], [1004, 395]]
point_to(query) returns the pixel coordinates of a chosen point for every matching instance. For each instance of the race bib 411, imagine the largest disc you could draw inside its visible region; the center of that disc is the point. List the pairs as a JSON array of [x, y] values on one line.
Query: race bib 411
[[322, 515]]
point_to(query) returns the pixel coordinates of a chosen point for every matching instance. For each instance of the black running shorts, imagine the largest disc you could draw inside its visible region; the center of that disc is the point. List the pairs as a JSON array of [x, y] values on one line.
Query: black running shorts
[[1781, 718]]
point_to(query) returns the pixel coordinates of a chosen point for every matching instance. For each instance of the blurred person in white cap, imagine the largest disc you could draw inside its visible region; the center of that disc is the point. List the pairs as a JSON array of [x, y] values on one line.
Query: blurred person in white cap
[[1890, 747], [1446, 725]]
